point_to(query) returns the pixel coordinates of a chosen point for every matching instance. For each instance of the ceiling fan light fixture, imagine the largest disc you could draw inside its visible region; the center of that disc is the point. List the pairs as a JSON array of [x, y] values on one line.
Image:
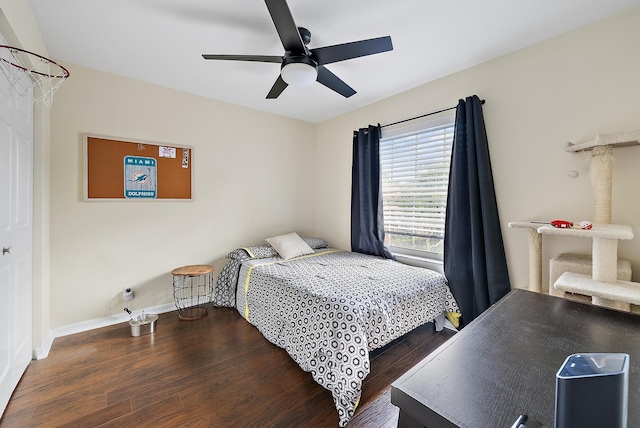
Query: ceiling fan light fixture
[[299, 73]]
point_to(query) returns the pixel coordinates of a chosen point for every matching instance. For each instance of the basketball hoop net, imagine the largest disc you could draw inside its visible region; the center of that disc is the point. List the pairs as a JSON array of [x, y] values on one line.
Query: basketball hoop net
[[44, 75]]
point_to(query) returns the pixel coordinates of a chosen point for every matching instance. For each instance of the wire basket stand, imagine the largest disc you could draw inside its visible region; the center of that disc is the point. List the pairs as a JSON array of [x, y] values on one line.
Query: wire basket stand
[[41, 73], [192, 290]]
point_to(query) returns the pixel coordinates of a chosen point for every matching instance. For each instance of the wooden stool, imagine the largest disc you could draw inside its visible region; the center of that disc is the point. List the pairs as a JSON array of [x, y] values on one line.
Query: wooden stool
[[192, 290]]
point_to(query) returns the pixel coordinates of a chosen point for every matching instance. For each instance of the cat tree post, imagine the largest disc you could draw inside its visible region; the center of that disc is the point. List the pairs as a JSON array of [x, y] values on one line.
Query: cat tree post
[[535, 253], [604, 251], [535, 261], [605, 270], [601, 171]]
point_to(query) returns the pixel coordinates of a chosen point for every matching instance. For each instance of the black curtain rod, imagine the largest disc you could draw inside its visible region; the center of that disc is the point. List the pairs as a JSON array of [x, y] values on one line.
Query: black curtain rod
[[424, 115]]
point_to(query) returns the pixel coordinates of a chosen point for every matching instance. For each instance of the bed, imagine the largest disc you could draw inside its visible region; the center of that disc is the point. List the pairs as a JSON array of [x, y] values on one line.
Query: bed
[[329, 308]]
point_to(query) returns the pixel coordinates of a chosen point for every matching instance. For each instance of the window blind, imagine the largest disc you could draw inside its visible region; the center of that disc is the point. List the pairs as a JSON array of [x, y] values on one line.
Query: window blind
[[415, 177]]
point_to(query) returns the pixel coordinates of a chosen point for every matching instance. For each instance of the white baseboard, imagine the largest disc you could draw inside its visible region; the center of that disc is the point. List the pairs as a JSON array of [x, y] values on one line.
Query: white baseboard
[[43, 351]]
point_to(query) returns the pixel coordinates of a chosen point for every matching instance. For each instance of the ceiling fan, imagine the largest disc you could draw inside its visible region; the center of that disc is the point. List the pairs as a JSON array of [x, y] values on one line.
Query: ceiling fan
[[302, 66]]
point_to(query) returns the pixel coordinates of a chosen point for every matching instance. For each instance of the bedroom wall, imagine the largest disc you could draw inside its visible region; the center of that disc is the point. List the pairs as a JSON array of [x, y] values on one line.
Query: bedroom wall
[[568, 88], [252, 178]]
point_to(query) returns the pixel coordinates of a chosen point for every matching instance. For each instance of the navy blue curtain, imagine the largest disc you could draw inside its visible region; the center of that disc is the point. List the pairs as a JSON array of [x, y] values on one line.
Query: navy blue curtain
[[367, 225], [474, 261]]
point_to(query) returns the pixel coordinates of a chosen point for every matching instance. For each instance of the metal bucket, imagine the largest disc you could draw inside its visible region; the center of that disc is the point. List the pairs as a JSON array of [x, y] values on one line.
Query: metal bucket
[[144, 326]]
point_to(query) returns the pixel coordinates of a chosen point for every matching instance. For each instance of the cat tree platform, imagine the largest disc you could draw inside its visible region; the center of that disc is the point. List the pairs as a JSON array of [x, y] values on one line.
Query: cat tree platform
[[617, 295], [612, 139], [580, 264], [599, 231]]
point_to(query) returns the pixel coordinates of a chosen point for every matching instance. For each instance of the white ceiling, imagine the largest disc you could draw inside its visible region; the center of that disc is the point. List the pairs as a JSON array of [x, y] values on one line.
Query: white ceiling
[[161, 41]]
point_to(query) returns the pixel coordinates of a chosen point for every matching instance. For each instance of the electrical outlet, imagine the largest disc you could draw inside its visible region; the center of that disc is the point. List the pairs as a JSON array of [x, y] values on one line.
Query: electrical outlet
[[127, 294]]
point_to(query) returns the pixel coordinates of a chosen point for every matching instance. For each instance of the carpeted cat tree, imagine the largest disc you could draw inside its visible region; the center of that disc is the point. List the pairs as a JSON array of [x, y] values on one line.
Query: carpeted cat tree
[[603, 277]]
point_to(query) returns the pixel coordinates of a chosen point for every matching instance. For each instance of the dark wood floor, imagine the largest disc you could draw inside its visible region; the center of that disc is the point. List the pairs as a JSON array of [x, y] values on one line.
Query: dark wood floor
[[214, 372]]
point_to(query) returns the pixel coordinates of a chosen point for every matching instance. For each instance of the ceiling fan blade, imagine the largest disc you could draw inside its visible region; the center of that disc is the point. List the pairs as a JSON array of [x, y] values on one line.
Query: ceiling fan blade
[[334, 83], [335, 53], [277, 88], [286, 27], [256, 58]]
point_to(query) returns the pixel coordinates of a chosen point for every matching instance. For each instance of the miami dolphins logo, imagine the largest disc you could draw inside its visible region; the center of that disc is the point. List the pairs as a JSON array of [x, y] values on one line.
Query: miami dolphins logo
[[140, 177]]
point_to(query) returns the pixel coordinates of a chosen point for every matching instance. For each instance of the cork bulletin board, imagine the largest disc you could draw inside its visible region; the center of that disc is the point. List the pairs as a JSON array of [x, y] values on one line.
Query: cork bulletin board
[[119, 169]]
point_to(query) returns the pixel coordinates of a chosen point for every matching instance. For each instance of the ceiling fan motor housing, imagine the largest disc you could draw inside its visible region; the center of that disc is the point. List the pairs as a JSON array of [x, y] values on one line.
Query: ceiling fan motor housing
[[298, 59], [305, 35]]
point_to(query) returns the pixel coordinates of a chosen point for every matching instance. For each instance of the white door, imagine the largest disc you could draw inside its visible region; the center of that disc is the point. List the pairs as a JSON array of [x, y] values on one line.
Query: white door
[[16, 201]]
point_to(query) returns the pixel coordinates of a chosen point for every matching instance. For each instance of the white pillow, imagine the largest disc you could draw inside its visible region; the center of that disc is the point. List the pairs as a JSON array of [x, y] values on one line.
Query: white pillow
[[289, 245]]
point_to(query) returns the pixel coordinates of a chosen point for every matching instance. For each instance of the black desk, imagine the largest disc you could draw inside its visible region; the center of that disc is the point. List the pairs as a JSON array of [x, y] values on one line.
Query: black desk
[[504, 363]]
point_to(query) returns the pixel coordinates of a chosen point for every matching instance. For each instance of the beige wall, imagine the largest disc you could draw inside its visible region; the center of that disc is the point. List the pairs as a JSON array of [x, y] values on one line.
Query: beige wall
[[565, 89], [257, 174], [252, 178]]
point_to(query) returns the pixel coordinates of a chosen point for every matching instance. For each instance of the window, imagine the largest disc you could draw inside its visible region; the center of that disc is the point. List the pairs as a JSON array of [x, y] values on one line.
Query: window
[[414, 163]]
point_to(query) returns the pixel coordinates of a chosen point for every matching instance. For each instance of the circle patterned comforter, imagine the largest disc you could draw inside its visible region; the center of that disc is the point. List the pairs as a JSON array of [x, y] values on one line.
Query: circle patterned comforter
[[329, 309]]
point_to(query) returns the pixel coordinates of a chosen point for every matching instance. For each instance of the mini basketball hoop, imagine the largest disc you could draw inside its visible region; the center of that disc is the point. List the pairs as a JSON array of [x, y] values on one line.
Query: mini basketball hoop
[[44, 74]]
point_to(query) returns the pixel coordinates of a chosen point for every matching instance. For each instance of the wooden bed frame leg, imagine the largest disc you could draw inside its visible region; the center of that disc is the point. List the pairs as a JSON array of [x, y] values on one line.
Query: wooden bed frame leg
[[439, 322]]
